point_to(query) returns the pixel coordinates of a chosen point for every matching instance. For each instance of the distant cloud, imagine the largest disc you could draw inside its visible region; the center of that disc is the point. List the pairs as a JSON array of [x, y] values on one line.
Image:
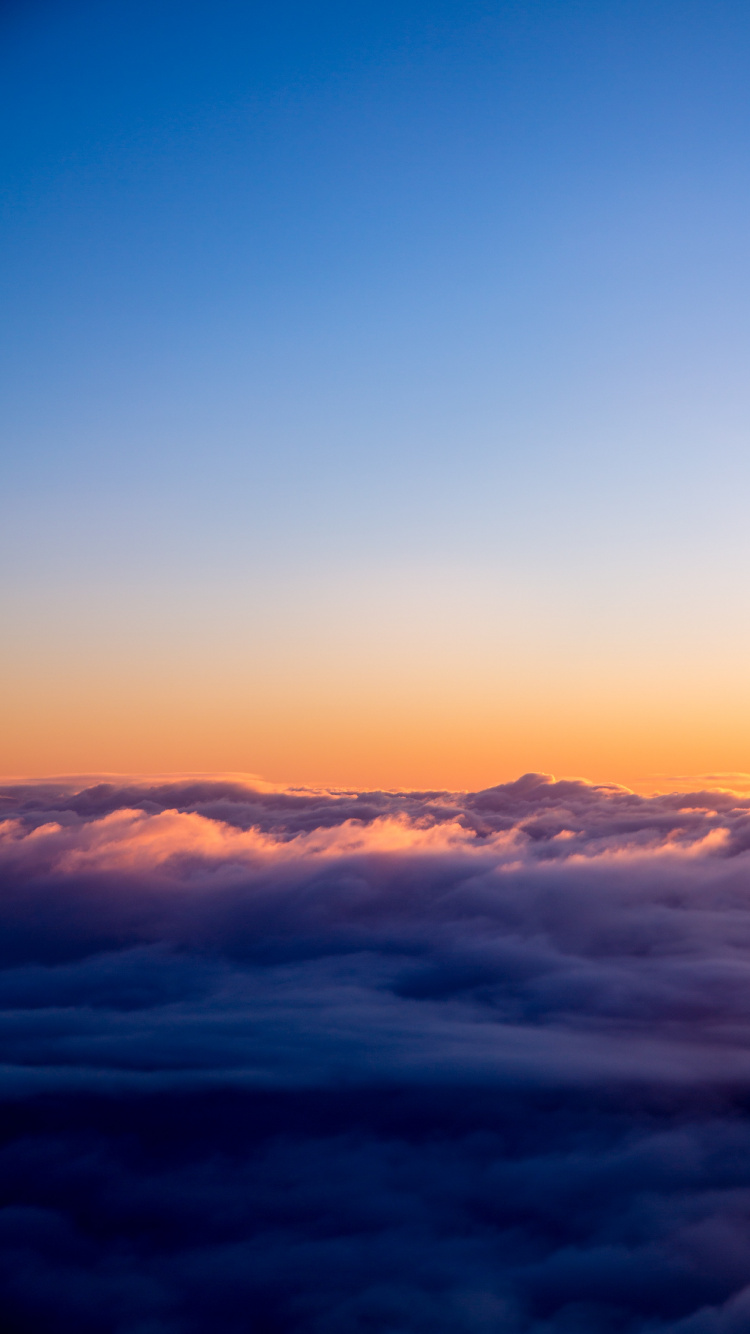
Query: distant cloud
[[333, 1062]]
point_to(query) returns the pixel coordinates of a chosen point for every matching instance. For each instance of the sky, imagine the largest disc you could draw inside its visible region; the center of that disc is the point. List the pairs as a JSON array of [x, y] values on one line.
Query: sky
[[375, 393]]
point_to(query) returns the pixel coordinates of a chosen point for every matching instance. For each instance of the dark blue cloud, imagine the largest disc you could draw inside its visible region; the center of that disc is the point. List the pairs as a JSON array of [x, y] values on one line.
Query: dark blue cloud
[[377, 1063]]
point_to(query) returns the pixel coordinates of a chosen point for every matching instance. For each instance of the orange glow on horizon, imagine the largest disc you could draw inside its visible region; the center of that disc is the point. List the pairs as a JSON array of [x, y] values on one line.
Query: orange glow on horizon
[[377, 744], [372, 701]]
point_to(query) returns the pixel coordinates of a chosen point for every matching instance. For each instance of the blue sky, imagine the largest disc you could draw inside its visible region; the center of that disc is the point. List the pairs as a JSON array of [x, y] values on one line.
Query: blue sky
[[362, 307]]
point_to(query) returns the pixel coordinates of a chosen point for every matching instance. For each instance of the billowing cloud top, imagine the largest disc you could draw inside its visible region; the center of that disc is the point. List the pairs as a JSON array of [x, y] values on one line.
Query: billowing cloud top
[[335, 1061]]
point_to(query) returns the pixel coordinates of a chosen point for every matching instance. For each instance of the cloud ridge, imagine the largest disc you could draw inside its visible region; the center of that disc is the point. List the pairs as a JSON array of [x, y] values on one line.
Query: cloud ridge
[[322, 1061]]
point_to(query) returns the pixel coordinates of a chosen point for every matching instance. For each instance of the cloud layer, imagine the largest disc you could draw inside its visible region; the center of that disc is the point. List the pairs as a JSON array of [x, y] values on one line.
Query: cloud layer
[[333, 1062]]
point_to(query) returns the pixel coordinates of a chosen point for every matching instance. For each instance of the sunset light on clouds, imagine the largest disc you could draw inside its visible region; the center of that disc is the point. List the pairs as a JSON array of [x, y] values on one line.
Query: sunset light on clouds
[[374, 713]]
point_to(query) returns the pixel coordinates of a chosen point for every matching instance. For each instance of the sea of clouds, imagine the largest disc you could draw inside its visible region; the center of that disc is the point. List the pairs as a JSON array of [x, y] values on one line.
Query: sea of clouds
[[314, 1062]]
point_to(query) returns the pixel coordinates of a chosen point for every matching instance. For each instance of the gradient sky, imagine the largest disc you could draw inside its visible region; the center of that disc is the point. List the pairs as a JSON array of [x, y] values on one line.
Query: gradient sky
[[375, 389]]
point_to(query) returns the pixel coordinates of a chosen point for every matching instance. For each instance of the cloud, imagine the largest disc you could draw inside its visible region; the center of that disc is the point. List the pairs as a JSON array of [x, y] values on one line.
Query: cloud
[[324, 1062]]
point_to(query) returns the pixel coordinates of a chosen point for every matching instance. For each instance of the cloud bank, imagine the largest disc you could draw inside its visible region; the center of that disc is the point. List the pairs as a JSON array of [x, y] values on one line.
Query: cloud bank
[[374, 1063]]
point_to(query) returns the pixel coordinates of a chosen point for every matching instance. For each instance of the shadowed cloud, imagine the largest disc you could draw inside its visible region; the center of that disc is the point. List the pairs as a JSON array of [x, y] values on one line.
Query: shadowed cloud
[[338, 1061]]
